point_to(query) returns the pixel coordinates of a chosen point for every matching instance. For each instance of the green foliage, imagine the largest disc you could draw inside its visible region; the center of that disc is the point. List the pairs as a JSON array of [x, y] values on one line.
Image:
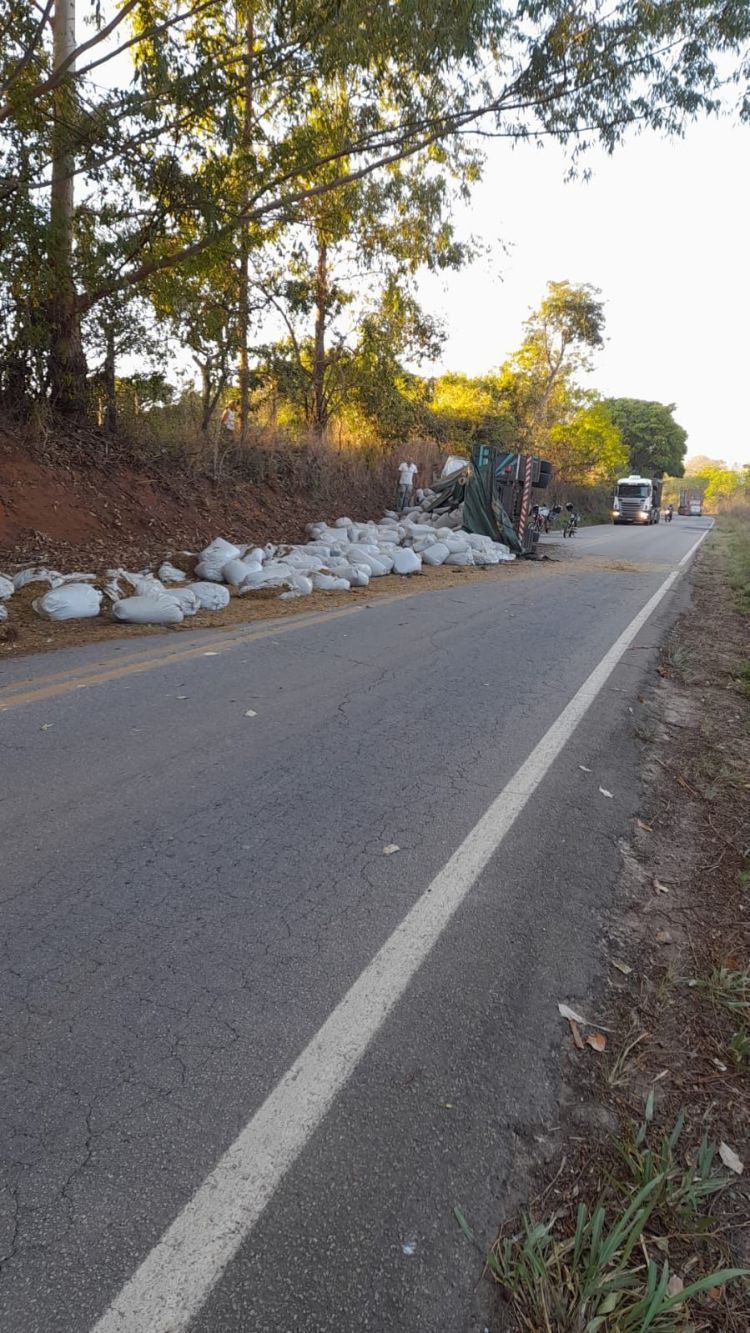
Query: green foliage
[[465, 410], [587, 1276], [244, 117], [593, 1280], [654, 440], [588, 447]]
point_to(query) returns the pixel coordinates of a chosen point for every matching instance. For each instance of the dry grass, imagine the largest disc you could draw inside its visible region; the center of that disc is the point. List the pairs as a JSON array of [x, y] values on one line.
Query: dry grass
[[675, 1078]]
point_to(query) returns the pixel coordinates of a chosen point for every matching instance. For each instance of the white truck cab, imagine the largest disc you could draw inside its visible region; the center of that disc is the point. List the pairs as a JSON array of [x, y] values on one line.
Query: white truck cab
[[637, 500]]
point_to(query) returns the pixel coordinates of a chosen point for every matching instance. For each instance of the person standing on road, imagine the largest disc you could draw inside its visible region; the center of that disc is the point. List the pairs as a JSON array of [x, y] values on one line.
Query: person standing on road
[[406, 474]]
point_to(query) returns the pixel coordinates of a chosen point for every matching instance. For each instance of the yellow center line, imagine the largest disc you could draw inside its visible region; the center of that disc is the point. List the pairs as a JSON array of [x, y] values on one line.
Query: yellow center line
[[52, 686]]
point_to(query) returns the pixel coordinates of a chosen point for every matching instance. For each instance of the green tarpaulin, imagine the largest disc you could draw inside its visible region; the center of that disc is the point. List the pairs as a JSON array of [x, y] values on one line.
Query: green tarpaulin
[[477, 489]]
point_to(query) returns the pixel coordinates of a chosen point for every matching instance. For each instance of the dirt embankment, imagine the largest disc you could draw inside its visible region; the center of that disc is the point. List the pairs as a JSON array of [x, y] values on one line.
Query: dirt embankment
[[61, 508]]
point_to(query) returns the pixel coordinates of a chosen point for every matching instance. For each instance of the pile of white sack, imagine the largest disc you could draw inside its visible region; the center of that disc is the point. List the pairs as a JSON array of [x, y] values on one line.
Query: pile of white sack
[[336, 558]]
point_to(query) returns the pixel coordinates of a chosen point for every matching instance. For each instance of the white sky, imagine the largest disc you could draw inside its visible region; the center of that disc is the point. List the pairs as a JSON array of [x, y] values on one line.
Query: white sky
[[663, 228]]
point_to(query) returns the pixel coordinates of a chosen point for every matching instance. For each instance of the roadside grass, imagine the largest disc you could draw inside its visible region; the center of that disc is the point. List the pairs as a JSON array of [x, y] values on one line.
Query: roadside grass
[[607, 1265], [737, 528], [644, 1226], [727, 993], [728, 988]]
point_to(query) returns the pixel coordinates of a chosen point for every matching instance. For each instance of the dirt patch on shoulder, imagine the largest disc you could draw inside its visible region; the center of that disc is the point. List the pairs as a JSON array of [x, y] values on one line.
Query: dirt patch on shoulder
[[674, 1082], [29, 632]]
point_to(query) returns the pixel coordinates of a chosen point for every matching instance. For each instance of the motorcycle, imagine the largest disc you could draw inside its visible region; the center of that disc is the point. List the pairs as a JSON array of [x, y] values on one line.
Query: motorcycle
[[571, 522]]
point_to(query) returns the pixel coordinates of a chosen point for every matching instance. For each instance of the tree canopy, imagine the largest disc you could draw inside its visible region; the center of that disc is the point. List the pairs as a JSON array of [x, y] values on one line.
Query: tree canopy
[[168, 129], [655, 442]]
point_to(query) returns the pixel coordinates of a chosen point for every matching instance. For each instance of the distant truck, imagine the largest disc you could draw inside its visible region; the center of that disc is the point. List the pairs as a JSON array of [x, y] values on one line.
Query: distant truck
[[690, 503], [637, 500]]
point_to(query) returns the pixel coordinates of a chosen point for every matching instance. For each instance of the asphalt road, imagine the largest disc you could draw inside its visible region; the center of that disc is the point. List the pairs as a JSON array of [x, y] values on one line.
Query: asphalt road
[[193, 877]]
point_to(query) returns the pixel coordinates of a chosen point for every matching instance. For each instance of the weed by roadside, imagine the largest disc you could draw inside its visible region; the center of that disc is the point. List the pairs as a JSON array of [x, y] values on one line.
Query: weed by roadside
[[644, 1226]]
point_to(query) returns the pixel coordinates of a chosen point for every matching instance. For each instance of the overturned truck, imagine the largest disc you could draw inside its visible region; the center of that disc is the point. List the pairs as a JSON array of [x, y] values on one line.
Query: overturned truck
[[491, 495]]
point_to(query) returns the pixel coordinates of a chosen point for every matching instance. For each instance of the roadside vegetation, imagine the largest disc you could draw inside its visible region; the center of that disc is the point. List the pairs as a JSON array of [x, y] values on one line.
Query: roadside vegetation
[[232, 202], [642, 1220]]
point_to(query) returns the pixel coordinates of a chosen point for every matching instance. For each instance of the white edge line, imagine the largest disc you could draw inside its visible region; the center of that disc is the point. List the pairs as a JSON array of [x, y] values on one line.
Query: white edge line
[[176, 1277], [695, 546]]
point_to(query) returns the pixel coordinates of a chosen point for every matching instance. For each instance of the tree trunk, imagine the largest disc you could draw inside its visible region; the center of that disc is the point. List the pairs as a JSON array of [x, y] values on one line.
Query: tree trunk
[[206, 406], [243, 318], [319, 404], [110, 388], [67, 364]]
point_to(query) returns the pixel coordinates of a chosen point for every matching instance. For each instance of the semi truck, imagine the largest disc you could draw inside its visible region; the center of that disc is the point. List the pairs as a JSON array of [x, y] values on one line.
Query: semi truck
[[690, 503], [637, 500]]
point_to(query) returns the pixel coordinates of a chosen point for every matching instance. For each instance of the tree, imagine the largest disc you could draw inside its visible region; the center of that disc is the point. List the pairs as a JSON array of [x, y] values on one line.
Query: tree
[[342, 280], [655, 442], [699, 465], [588, 448], [465, 410], [560, 337], [212, 140]]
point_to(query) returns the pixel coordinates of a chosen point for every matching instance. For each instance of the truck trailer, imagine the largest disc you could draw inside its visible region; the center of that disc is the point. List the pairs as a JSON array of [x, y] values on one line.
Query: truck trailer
[[690, 504], [637, 500]]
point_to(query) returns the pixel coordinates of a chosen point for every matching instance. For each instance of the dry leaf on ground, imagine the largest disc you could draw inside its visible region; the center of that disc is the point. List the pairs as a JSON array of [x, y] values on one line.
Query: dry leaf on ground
[[730, 1159], [606, 793], [659, 887], [597, 1041], [622, 967], [391, 848], [674, 1285], [576, 1033], [663, 937], [570, 1014]]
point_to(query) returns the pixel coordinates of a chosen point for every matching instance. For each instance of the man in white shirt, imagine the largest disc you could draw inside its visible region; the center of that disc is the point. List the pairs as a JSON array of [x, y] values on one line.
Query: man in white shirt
[[229, 419], [406, 474]]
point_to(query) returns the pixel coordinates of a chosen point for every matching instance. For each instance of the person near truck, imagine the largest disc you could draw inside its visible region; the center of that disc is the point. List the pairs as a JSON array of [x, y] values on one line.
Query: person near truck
[[229, 419], [406, 474]]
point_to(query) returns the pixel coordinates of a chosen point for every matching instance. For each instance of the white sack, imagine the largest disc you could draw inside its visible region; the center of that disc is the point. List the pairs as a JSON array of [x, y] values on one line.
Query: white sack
[[424, 543], [72, 601], [171, 574], [219, 547], [211, 596], [149, 586], [112, 590], [377, 567], [406, 561], [436, 555], [329, 583], [299, 587], [234, 572], [25, 576], [358, 576], [7, 587], [214, 557], [156, 609], [185, 599], [465, 557]]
